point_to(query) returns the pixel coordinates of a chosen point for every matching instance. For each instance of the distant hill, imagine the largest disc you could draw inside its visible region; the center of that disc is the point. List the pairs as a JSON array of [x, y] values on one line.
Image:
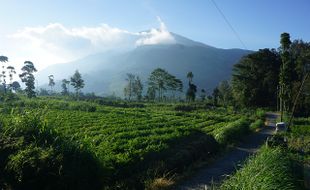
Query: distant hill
[[105, 73]]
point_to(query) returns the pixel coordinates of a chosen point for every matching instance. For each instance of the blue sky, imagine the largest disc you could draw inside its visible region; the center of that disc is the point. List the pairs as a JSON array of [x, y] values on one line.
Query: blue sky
[[259, 23]]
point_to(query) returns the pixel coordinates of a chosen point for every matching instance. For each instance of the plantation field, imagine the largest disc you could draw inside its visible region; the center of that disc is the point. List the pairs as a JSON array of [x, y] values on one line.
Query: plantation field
[[128, 145]]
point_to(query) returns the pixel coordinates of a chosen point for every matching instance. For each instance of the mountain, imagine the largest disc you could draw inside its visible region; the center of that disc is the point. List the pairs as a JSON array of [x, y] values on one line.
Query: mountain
[[105, 73]]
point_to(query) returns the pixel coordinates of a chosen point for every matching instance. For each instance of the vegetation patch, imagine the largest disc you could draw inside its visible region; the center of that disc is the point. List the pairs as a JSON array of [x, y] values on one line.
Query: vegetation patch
[[269, 169], [257, 124], [117, 148], [34, 156], [232, 132]]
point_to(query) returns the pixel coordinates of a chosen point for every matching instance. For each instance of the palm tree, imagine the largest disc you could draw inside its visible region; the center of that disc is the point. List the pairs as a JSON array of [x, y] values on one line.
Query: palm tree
[[11, 73]]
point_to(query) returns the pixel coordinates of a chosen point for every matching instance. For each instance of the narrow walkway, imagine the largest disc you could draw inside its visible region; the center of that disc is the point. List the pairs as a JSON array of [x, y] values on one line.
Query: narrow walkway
[[228, 163]]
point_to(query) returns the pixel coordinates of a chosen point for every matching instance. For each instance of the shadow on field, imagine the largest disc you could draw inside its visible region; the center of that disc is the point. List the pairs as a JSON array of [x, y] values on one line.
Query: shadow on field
[[181, 153]]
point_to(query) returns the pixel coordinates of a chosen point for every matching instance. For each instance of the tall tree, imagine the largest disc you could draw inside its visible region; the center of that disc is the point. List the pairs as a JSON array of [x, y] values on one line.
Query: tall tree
[[64, 85], [3, 59], [129, 89], [77, 82], [215, 95], [138, 88], [157, 81], [300, 53], [286, 72], [11, 75], [174, 84], [151, 93], [162, 81], [16, 86], [27, 77], [254, 79], [191, 92], [203, 94], [225, 92], [192, 88], [51, 82]]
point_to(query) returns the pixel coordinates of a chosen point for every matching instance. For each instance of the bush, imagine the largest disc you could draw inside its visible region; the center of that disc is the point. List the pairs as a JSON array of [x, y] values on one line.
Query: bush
[[260, 114], [82, 106], [232, 132], [257, 124], [185, 108]]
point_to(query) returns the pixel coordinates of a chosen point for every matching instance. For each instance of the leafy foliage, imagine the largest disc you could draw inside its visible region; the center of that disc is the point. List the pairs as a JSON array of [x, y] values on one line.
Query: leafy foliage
[[77, 82], [160, 80], [134, 87], [64, 86], [255, 77], [27, 77]]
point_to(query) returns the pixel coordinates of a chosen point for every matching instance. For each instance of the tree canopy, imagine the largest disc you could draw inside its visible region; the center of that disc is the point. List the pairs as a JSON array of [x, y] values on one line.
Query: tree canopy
[[77, 82], [27, 77], [254, 79], [162, 81]]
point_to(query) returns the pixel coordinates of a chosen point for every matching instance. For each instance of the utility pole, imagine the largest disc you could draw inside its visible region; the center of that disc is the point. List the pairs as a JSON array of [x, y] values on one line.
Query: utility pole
[[277, 96], [281, 100], [307, 69]]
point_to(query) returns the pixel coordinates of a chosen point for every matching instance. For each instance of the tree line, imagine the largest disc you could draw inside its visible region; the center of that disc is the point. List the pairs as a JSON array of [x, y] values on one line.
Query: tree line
[[161, 86], [76, 81], [27, 77], [273, 77]]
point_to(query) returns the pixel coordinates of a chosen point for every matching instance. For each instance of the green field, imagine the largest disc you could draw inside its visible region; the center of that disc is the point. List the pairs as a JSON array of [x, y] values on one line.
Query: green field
[[114, 146]]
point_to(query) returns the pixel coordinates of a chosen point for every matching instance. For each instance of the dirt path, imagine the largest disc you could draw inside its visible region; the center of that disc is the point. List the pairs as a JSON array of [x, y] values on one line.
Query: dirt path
[[227, 164]]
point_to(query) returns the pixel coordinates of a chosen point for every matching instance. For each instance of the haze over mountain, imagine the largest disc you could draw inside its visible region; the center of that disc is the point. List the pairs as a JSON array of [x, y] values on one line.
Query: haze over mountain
[[104, 73]]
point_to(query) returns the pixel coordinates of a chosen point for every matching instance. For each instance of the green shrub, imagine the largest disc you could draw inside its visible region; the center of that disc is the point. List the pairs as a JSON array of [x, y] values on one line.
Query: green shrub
[[260, 114], [232, 131], [185, 108], [269, 169], [257, 124]]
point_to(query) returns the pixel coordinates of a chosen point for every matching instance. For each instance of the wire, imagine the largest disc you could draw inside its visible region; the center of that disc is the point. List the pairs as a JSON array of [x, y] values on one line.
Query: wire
[[228, 23]]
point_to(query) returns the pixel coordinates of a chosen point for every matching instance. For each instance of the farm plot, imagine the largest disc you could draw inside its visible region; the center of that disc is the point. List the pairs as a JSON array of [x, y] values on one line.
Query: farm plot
[[132, 143]]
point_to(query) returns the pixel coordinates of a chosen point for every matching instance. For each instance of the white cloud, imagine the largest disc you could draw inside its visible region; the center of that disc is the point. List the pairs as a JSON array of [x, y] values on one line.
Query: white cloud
[[57, 43], [156, 36]]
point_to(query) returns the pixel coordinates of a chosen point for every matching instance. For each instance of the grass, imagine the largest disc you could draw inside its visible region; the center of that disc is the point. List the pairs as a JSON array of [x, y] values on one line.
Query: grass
[[276, 167], [232, 132], [257, 124], [269, 169], [299, 150]]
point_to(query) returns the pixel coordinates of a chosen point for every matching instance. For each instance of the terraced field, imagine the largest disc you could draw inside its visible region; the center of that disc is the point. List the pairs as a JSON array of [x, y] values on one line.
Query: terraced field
[[136, 144]]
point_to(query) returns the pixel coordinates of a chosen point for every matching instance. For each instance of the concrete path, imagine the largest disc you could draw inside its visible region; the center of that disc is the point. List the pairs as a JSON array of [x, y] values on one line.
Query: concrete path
[[228, 163]]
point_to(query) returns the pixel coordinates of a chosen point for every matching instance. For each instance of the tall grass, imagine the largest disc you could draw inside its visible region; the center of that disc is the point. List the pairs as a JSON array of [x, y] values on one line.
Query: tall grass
[[269, 169], [232, 132], [256, 124], [34, 156]]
